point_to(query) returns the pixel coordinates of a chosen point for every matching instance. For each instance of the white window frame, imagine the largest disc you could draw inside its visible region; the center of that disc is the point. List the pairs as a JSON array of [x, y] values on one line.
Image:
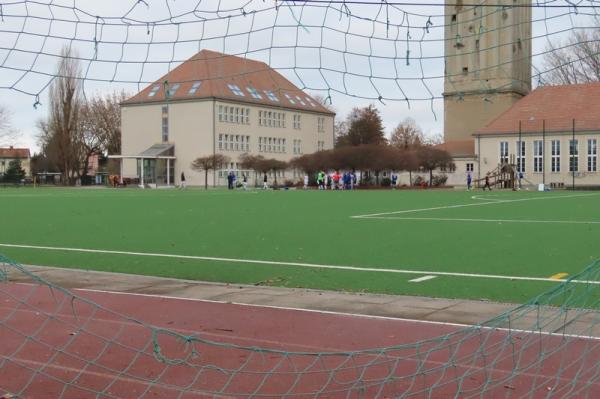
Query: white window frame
[[254, 93], [592, 158], [555, 156], [521, 156], [538, 156], [574, 155], [503, 152], [235, 89], [194, 88]]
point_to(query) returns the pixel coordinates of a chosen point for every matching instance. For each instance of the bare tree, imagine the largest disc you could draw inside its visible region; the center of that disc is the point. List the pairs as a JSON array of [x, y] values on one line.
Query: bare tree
[[431, 158], [59, 135], [7, 133], [576, 62], [407, 135], [210, 162], [102, 115]]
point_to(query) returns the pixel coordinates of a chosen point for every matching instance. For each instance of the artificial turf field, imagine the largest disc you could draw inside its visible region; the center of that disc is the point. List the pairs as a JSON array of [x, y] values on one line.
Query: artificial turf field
[[513, 234]]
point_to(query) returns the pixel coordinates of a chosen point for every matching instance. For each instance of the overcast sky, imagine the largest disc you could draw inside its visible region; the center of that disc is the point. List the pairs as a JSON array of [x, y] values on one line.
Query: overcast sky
[[352, 54]]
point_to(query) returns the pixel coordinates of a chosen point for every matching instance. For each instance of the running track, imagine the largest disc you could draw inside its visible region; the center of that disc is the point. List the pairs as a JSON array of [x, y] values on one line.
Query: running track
[[54, 346]]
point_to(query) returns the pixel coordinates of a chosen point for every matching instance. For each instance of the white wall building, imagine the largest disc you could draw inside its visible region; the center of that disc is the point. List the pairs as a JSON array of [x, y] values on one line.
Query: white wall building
[[218, 104]]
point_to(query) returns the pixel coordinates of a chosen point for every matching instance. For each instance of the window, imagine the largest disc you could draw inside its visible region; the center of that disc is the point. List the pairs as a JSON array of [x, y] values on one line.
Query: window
[[469, 167], [503, 152], [271, 96], [301, 101], [194, 88], [237, 115], [320, 145], [555, 156], [254, 93], [296, 121], [290, 99], [154, 90], [220, 141], [321, 125], [247, 144], [573, 156], [236, 90], [521, 156], [165, 123], [172, 90], [297, 147], [538, 156], [592, 155]]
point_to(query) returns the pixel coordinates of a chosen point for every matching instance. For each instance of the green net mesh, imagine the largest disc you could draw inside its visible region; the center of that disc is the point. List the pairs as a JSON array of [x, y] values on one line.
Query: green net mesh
[[56, 343], [378, 50]]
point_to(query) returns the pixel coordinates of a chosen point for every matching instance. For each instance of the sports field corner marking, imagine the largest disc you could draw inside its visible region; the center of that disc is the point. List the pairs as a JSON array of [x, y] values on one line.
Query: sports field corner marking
[[559, 276], [295, 264], [421, 279], [492, 202]]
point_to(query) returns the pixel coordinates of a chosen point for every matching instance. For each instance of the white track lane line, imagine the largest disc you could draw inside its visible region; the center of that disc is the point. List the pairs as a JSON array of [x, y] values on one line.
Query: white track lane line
[[492, 202], [345, 314], [295, 264]]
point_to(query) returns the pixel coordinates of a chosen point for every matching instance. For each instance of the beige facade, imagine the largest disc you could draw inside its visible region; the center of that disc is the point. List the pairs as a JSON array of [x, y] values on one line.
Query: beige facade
[[7, 155], [204, 127], [488, 64], [546, 158]]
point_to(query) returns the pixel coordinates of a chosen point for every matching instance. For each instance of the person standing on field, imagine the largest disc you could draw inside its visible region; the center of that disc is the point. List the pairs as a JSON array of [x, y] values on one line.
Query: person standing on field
[[182, 180], [469, 180], [306, 182], [265, 182], [245, 181], [487, 183]]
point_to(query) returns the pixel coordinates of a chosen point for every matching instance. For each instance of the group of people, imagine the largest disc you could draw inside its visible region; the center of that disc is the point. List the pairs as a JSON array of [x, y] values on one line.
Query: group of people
[[333, 181], [232, 181]]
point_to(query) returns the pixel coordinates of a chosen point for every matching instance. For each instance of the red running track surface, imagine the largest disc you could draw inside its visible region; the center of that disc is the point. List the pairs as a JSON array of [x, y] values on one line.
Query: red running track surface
[[53, 345]]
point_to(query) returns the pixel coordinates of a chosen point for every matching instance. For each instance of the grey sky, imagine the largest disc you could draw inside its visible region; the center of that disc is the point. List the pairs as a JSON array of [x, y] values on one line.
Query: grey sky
[[354, 57]]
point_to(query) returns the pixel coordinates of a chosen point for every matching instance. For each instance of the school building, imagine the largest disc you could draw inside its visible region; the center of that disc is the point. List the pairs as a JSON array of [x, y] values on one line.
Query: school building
[[216, 103]]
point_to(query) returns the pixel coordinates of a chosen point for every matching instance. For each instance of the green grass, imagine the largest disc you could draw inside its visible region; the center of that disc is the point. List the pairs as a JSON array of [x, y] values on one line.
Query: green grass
[[310, 227]]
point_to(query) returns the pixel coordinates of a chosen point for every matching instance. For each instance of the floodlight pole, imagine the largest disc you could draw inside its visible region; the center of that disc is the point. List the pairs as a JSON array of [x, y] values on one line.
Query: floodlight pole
[[520, 161]]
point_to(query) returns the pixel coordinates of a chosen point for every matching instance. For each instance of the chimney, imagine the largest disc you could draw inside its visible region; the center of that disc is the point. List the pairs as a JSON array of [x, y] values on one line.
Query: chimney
[[11, 147]]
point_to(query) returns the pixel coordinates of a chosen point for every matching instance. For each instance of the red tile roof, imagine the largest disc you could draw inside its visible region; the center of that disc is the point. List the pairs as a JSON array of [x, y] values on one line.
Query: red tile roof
[[557, 105], [215, 71], [15, 153], [458, 148]]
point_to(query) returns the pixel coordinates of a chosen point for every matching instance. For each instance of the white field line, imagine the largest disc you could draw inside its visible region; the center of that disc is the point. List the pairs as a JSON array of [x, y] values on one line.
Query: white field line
[[493, 202], [487, 198], [486, 220], [420, 279], [295, 264]]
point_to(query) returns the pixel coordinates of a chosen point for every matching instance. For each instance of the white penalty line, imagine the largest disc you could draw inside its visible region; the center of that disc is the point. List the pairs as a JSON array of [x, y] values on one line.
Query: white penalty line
[[420, 279], [492, 201], [294, 264], [485, 220]]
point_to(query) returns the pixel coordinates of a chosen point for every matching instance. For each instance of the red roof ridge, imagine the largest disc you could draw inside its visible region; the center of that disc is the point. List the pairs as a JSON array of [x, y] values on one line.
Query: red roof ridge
[[215, 71]]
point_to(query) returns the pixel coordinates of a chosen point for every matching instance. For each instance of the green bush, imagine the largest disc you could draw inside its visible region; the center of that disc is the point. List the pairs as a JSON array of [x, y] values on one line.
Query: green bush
[[386, 182]]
